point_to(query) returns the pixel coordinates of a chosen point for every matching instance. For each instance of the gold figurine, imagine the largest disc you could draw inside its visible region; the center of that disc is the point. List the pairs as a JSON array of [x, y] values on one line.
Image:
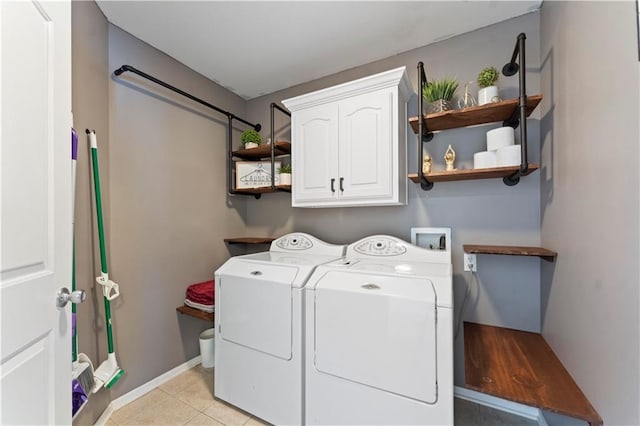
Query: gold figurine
[[426, 164], [449, 159]]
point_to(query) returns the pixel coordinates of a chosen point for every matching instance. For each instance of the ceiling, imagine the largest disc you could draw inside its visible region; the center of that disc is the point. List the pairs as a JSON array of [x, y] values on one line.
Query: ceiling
[[257, 47]]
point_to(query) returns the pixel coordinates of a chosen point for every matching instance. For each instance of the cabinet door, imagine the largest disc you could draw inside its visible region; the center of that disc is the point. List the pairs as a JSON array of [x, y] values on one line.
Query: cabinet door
[[366, 147], [315, 155]]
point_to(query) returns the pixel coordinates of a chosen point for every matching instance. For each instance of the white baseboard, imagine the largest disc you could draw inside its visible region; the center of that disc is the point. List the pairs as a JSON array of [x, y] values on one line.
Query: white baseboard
[[144, 389], [521, 410], [105, 416]]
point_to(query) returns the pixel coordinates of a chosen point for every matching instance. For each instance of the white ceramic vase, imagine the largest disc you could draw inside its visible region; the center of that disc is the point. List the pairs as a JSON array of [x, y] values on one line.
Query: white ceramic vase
[[487, 95], [285, 178], [250, 145]]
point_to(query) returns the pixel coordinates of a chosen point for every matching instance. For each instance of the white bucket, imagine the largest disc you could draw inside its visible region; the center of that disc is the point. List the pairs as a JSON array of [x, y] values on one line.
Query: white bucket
[[207, 347], [484, 159], [497, 138]]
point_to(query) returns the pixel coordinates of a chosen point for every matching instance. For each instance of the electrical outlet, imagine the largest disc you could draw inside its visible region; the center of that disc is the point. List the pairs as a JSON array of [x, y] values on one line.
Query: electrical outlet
[[470, 263]]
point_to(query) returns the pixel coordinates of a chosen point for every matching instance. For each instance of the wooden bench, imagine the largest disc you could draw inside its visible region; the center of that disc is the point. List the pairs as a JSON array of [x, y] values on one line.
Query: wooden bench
[[520, 366], [197, 313]]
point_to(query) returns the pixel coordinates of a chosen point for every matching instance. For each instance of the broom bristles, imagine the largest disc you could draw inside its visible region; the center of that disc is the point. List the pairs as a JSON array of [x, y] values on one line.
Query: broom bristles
[[84, 374]]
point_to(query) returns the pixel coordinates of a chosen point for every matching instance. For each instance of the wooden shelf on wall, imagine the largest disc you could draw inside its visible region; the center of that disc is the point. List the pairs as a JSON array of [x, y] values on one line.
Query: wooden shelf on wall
[[264, 190], [264, 151], [546, 254], [249, 240], [482, 114], [197, 313], [520, 366], [473, 174]]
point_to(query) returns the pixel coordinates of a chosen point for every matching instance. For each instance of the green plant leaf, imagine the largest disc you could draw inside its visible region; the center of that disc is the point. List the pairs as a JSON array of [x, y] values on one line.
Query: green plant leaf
[[286, 168], [488, 77], [251, 136], [440, 89]]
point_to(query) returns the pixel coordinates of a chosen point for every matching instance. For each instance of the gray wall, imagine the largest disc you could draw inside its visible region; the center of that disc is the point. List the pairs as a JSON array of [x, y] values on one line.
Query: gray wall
[[163, 171], [589, 199], [90, 110], [163, 175], [169, 207], [506, 291]]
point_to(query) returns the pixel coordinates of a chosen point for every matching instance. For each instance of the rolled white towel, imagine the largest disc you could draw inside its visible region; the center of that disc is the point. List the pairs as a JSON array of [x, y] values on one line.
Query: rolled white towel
[[205, 308]]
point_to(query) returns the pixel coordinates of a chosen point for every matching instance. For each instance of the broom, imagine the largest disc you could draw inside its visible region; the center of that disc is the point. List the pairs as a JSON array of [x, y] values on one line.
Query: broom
[[108, 372], [82, 370]]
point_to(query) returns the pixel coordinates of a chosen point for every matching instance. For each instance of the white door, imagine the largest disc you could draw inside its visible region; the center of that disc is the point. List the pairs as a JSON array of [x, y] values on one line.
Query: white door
[[366, 146], [35, 212], [315, 155]]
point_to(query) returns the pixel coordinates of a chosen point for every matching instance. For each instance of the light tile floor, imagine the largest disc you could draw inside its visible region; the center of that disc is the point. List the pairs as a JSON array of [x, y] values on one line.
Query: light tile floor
[[188, 400], [184, 400]]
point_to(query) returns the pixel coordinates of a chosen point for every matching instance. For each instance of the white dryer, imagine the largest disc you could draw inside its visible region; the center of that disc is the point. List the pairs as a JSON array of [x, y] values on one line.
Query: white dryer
[[258, 357], [379, 336]]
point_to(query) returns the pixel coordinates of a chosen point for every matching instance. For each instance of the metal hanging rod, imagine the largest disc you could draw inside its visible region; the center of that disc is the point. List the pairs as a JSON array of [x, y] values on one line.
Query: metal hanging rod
[[230, 116]]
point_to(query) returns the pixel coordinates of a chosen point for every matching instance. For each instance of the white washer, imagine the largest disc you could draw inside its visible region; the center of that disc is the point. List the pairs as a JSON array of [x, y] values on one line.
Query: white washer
[[379, 336], [258, 357]]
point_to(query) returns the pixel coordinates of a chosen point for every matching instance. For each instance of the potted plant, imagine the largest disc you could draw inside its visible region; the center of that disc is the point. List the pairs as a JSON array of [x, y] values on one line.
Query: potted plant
[[487, 82], [439, 93], [285, 174], [250, 138]]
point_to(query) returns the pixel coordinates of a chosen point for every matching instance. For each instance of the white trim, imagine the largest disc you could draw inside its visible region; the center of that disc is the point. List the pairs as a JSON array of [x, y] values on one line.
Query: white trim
[[388, 79], [154, 383], [105, 416], [144, 389], [531, 413]]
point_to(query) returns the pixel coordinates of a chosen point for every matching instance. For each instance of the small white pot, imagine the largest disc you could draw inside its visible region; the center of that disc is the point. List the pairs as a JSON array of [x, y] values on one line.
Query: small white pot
[[285, 178], [250, 145], [487, 95]]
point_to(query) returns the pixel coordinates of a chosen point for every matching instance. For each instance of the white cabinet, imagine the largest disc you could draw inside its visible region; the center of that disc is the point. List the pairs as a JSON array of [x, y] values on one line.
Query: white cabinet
[[349, 143]]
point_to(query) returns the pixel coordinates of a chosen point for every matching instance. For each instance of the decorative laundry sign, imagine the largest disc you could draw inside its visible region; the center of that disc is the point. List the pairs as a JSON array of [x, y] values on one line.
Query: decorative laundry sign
[[255, 174]]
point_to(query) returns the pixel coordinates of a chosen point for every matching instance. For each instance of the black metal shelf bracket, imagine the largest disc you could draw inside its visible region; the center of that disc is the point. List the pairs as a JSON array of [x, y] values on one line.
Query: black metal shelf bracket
[[517, 119], [423, 133], [274, 107], [231, 164], [230, 118], [519, 116]]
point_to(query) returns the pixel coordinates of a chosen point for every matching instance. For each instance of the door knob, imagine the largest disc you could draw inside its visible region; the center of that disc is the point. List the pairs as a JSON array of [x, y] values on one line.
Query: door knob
[[64, 296]]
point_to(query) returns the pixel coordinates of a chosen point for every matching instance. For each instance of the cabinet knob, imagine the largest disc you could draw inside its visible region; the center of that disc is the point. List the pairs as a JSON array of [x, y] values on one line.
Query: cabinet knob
[[333, 181], [341, 182]]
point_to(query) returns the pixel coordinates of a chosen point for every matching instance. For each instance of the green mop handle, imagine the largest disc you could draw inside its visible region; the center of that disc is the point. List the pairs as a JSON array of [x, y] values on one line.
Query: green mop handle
[[103, 251], [74, 158]]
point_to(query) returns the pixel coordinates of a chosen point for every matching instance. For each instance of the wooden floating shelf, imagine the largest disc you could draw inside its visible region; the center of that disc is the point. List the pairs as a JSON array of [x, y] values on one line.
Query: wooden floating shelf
[[482, 114], [520, 366], [197, 313], [264, 151], [264, 190], [249, 240], [544, 253], [473, 174]]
